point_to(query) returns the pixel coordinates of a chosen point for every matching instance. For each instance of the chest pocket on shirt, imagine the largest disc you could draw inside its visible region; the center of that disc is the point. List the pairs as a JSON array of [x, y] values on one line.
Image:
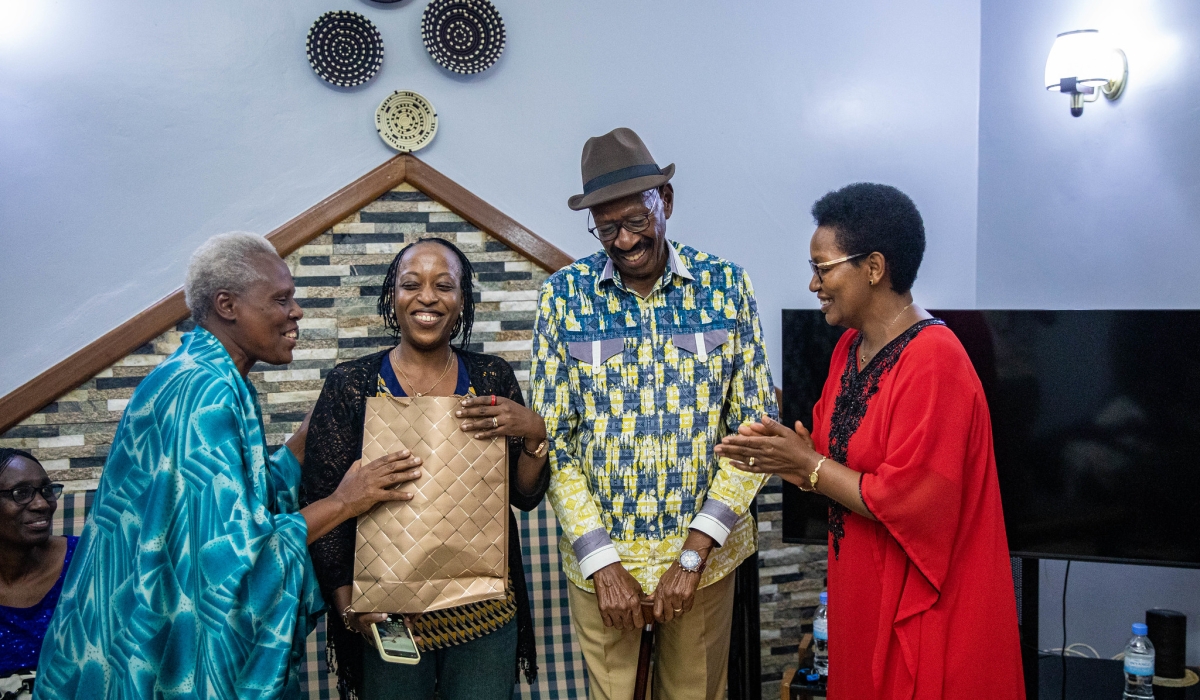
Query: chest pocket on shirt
[[595, 352], [702, 344]]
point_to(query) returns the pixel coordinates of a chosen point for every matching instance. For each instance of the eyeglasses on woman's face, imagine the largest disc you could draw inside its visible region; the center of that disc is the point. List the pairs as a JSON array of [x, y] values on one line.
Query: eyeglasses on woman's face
[[819, 269], [23, 495]]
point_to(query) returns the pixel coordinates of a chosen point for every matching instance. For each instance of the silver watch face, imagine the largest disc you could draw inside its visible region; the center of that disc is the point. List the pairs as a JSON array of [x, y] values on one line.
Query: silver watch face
[[689, 560]]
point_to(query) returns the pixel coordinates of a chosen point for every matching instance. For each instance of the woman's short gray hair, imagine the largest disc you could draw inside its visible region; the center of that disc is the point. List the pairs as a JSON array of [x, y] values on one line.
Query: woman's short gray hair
[[225, 261]]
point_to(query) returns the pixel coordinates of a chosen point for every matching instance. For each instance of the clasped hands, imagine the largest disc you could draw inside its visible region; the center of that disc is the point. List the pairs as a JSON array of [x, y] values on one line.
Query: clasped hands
[[625, 606]]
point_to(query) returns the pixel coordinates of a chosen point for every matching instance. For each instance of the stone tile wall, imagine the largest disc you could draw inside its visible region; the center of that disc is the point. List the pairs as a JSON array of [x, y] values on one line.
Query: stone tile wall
[[338, 277]]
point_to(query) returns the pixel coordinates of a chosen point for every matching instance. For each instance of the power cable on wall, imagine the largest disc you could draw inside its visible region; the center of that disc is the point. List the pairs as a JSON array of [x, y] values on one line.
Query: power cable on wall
[[1063, 653]]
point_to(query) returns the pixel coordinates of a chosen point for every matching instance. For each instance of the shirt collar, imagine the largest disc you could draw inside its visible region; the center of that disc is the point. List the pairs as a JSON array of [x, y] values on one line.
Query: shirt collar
[[675, 264]]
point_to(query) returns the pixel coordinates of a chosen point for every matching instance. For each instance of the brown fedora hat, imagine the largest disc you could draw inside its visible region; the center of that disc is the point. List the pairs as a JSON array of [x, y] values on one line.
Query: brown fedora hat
[[617, 165]]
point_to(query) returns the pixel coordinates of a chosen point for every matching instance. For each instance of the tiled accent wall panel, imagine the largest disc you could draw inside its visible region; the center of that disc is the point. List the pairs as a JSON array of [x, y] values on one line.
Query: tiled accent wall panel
[[790, 577], [338, 278]]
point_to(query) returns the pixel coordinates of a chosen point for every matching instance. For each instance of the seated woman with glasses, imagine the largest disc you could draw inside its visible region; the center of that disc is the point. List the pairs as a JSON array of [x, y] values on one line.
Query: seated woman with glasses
[[32, 563]]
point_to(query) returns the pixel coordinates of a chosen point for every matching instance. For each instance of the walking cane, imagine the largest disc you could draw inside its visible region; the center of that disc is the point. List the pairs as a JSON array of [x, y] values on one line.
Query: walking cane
[[645, 651]]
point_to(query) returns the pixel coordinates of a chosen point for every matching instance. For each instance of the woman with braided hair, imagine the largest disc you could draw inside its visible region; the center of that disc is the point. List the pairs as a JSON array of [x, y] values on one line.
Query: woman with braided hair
[[469, 651]]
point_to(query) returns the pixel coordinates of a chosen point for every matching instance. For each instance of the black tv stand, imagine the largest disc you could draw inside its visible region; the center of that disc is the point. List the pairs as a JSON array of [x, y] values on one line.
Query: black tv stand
[[1027, 615]]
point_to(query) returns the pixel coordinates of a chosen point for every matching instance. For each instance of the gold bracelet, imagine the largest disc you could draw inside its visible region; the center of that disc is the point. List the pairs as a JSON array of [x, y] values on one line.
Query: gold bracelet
[[812, 476], [346, 616]]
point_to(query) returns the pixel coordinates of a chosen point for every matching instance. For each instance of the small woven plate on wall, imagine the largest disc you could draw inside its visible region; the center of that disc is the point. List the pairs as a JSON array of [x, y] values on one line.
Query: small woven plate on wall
[[465, 36], [406, 121], [344, 48]]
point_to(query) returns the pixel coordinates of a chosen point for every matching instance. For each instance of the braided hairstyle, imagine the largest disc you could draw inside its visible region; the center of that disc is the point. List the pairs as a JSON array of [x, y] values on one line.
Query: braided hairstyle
[[7, 453], [387, 296]]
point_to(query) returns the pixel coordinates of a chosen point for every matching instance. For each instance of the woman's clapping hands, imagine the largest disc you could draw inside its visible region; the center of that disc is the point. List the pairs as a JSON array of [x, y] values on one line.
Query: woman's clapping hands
[[769, 447]]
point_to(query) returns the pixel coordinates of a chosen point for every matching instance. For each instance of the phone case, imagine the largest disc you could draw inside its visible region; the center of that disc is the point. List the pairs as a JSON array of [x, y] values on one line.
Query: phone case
[[408, 661]]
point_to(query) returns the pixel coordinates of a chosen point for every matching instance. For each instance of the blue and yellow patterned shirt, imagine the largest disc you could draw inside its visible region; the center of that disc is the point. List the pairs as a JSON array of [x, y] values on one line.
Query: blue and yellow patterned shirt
[[635, 393]]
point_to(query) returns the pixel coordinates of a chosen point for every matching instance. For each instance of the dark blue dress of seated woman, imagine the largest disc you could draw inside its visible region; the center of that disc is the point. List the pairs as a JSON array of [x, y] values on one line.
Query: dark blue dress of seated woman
[[32, 563]]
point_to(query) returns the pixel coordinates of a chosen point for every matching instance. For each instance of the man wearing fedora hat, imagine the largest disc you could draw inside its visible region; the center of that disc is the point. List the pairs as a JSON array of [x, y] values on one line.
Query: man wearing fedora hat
[[644, 355]]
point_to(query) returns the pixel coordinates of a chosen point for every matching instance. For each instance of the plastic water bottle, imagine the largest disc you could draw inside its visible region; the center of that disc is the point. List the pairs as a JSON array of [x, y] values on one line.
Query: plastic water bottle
[[1139, 665], [821, 637]]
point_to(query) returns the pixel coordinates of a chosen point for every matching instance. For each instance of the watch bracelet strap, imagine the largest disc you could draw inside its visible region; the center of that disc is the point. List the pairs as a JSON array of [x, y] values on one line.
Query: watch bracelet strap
[[542, 448], [811, 483]]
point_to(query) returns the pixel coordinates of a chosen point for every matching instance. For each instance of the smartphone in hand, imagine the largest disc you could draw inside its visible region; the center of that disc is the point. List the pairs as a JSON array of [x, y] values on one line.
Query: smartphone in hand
[[395, 642]]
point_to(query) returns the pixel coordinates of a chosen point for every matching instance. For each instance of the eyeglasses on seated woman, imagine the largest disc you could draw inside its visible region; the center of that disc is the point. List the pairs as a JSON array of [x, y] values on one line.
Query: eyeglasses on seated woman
[[471, 651], [32, 563]]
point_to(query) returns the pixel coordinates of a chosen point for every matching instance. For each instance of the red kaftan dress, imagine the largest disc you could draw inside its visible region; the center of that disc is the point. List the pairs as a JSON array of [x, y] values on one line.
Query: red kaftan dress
[[921, 603]]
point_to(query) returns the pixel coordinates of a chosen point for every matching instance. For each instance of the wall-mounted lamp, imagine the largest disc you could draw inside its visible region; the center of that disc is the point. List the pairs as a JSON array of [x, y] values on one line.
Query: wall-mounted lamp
[[1081, 64]]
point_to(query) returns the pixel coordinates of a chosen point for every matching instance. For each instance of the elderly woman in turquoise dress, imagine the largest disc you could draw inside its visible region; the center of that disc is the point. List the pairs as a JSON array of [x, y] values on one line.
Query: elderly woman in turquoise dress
[[192, 577]]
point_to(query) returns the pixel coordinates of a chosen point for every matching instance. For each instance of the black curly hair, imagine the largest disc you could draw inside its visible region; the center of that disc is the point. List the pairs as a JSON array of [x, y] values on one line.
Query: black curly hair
[[869, 217], [7, 453], [387, 296]]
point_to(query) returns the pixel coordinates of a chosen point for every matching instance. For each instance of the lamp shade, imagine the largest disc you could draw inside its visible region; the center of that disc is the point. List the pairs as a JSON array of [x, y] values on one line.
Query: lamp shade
[[1084, 56]]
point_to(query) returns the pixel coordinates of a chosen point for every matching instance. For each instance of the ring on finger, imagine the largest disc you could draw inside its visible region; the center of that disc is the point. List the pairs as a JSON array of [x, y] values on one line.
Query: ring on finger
[[495, 422], [493, 399], [751, 462]]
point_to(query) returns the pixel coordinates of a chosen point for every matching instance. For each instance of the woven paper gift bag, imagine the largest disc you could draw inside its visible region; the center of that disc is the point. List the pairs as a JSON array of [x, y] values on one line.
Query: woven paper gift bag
[[448, 546]]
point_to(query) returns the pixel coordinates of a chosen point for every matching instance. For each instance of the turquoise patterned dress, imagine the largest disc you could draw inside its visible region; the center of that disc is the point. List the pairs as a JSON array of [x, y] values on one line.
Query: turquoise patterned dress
[[192, 577]]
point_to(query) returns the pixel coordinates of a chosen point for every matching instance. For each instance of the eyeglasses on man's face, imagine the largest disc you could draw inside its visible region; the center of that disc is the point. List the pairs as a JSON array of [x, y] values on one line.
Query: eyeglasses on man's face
[[819, 269], [23, 495], [610, 230]]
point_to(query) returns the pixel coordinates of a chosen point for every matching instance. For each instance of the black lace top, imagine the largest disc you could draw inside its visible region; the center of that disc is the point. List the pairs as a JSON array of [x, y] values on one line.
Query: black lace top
[[335, 441], [853, 399]]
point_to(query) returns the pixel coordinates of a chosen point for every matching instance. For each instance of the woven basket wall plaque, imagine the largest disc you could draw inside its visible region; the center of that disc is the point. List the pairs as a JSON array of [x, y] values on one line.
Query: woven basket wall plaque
[[465, 36], [448, 546], [344, 48], [406, 121]]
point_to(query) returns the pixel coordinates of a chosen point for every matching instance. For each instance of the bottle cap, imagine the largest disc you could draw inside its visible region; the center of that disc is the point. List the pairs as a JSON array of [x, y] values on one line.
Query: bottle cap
[[1139, 629], [824, 598]]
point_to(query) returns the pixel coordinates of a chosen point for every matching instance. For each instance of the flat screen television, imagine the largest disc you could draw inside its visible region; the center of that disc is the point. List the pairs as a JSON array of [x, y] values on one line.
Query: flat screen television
[[1095, 419]]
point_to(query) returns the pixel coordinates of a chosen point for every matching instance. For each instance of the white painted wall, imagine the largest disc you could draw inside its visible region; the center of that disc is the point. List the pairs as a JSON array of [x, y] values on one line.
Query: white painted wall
[[131, 130], [1095, 212]]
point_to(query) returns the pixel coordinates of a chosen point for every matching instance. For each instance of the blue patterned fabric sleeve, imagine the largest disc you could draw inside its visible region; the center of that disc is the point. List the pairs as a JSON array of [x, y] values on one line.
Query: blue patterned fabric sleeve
[[751, 391], [751, 394], [285, 480], [550, 388], [192, 578]]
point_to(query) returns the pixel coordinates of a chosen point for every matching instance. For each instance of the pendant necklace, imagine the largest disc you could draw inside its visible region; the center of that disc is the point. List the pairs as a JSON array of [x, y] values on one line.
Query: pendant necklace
[[419, 394], [889, 327]]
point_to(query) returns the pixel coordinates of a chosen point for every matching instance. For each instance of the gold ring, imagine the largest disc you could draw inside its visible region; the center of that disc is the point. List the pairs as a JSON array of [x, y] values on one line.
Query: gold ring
[[495, 423], [751, 462]]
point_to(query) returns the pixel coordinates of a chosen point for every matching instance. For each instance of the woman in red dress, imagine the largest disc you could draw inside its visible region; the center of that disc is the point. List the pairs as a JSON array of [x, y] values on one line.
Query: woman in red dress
[[921, 598]]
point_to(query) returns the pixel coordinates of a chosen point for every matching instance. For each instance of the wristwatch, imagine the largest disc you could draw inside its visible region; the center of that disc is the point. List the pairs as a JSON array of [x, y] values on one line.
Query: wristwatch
[[540, 452], [691, 561]]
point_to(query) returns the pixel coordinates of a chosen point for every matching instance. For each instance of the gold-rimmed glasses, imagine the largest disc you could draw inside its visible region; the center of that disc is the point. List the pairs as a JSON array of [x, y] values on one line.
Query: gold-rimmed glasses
[[819, 269]]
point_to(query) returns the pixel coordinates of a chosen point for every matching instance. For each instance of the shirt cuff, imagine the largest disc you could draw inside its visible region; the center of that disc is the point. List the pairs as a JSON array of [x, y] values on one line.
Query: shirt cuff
[[715, 519], [595, 550], [597, 560]]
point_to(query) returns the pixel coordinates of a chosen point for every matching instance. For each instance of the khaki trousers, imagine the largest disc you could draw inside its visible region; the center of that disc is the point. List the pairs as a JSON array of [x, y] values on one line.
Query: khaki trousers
[[691, 652]]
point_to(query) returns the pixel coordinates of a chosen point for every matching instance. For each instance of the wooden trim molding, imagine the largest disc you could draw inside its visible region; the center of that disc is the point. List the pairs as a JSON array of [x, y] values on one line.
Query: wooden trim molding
[[103, 352], [485, 216]]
